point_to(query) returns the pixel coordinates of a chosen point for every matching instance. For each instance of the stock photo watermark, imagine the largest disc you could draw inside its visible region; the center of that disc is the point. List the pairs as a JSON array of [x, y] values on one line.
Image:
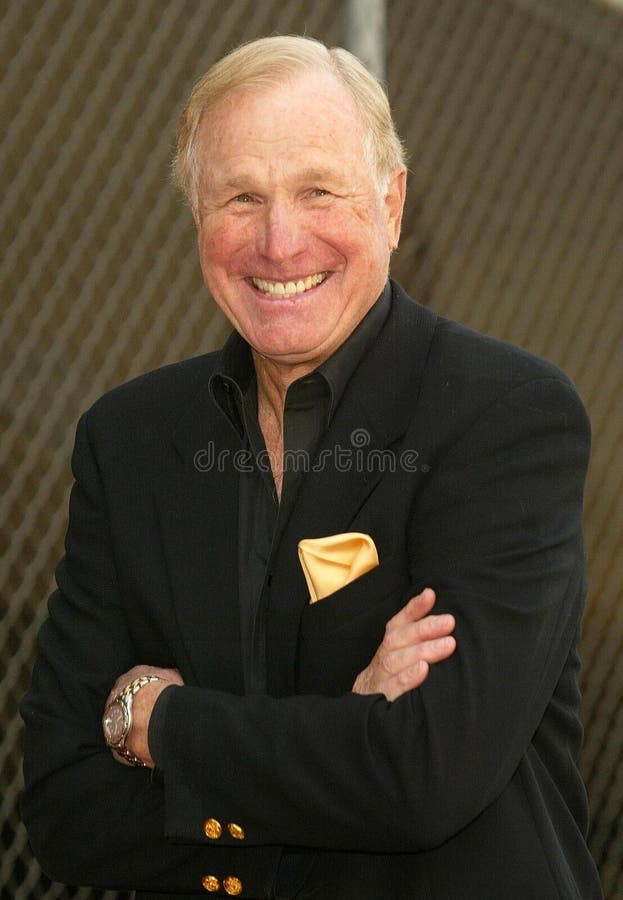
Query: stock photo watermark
[[358, 457]]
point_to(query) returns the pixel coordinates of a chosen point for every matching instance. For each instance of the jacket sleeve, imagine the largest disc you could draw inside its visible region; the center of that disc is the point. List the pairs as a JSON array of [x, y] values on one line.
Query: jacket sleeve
[[90, 820], [497, 531]]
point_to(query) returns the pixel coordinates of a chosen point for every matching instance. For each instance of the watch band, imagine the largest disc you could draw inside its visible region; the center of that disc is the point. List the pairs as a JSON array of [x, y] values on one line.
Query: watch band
[[125, 698]]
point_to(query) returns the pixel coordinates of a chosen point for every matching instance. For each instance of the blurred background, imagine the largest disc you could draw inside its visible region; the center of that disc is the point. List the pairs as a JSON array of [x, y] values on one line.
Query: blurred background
[[512, 111]]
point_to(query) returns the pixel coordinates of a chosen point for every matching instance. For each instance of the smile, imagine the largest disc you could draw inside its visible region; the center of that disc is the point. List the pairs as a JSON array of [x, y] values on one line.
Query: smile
[[288, 288]]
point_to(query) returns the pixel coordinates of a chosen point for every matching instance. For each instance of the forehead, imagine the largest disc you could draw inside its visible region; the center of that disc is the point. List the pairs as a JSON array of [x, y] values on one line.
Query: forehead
[[309, 119]]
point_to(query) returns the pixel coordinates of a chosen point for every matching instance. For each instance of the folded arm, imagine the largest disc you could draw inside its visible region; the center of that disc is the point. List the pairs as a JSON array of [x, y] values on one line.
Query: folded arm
[[498, 532], [413, 641]]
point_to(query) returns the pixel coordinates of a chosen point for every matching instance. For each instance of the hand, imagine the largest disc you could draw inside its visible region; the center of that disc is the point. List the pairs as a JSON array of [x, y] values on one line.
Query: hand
[[142, 705], [413, 641]]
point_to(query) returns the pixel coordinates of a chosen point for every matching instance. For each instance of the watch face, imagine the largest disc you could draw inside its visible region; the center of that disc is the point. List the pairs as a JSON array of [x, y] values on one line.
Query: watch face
[[114, 723]]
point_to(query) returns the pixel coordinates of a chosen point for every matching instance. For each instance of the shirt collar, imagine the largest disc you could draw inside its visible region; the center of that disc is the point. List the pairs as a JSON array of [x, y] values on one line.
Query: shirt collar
[[339, 368], [236, 371]]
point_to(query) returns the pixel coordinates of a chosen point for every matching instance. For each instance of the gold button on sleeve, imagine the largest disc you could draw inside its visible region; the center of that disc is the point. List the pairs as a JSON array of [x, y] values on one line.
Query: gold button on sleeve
[[213, 829], [232, 885], [210, 883], [236, 831]]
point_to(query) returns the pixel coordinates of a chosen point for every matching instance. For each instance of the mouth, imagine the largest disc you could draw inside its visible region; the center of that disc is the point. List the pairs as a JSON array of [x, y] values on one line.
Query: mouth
[[288, 288]]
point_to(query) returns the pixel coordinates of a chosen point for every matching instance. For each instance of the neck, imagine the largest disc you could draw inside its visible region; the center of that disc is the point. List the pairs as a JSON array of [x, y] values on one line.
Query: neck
[[273, 381]]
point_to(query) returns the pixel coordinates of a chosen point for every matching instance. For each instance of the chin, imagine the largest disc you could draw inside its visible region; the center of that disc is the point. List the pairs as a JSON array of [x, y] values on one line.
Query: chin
[[291, 352]]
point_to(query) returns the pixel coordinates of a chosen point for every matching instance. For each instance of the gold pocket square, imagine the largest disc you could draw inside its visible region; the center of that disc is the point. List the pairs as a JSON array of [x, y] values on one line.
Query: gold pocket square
[[331, 563]]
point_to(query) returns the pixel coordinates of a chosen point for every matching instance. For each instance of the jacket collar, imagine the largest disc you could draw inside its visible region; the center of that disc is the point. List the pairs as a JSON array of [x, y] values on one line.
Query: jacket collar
[[199, 503], [375, 412]]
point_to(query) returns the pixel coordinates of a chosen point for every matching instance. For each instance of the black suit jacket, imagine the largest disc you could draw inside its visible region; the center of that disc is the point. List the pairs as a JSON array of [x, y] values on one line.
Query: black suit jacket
[[464, 458]]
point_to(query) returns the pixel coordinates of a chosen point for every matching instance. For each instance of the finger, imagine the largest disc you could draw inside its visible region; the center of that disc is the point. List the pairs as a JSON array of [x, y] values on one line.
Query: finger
[[430, 652], [407, 680], [412, 634], [415, 670], [396, 661], [428, 628], [414, 609]]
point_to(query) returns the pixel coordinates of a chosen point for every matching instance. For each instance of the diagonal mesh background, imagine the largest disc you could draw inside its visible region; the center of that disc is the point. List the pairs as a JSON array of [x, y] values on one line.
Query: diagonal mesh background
[[513, 115]]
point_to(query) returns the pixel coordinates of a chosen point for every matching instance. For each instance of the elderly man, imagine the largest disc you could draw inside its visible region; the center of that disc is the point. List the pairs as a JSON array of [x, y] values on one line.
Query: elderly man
[[258, 537]]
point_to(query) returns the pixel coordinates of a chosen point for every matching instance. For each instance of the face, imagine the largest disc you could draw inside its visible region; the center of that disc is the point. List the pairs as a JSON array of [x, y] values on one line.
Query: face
[[294, 234]]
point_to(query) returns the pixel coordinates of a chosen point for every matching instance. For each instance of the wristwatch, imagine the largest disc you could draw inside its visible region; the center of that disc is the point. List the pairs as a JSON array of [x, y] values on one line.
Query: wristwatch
[[117, 719]]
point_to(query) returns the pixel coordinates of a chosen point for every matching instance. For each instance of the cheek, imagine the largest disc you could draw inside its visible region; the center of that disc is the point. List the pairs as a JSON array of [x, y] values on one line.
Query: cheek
[[358, 234], [214, 241], [218, 250]]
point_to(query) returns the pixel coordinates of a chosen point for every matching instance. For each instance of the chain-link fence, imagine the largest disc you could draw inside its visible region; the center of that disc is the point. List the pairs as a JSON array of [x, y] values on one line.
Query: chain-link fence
[[513, 114]]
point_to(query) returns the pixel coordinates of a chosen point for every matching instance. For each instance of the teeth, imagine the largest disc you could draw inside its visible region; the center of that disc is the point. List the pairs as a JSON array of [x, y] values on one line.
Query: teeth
[[288, 288]]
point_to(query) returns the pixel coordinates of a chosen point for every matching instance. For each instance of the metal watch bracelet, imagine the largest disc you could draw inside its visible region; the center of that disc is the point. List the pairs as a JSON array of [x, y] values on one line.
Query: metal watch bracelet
[[124, 698]]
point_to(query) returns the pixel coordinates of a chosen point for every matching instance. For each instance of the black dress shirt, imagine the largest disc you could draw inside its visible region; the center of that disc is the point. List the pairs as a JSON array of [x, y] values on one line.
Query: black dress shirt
[[309, 406]]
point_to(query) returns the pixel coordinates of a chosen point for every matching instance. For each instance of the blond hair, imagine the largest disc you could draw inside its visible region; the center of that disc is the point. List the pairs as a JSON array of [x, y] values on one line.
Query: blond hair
[[265, 63]]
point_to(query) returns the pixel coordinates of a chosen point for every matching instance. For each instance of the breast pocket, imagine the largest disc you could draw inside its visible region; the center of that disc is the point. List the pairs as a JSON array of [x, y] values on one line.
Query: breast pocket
[[340, 633]]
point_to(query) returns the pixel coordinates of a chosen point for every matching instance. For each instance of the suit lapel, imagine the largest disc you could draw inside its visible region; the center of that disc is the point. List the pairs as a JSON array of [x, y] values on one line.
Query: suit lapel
[[198, 507], [375, 412]]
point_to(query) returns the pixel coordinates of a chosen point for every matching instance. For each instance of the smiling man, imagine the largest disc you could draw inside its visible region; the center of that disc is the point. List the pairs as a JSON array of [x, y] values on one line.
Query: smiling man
[[242, 688], [295, 227], [295, 230]]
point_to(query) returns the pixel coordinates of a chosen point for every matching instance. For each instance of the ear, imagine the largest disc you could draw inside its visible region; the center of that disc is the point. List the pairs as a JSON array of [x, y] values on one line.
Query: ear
[[394, 205]]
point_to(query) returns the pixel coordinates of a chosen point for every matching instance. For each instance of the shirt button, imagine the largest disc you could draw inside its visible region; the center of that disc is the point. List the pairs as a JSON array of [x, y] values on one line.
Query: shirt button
[[213, 829], [236, 831], [232, 885], [210, 883]]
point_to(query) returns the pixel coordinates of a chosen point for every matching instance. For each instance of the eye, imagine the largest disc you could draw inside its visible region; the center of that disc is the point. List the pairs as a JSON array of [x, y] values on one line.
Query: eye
[[243, 198], [319, 192]]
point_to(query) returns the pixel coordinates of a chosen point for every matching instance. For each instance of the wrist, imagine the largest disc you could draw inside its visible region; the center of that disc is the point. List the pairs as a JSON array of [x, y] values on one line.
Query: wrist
[[118, 720]]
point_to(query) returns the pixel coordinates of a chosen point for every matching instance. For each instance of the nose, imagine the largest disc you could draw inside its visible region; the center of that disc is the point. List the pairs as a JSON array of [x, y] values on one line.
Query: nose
[[282, 234]]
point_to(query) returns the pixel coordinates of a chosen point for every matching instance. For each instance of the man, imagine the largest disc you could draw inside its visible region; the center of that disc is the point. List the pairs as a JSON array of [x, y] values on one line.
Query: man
[[290, 739]]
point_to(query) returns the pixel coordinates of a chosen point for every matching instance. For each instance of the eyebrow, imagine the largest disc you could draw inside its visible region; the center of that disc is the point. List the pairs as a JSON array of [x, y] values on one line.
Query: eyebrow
[[237, 182], [313, 175], [317, 174]]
